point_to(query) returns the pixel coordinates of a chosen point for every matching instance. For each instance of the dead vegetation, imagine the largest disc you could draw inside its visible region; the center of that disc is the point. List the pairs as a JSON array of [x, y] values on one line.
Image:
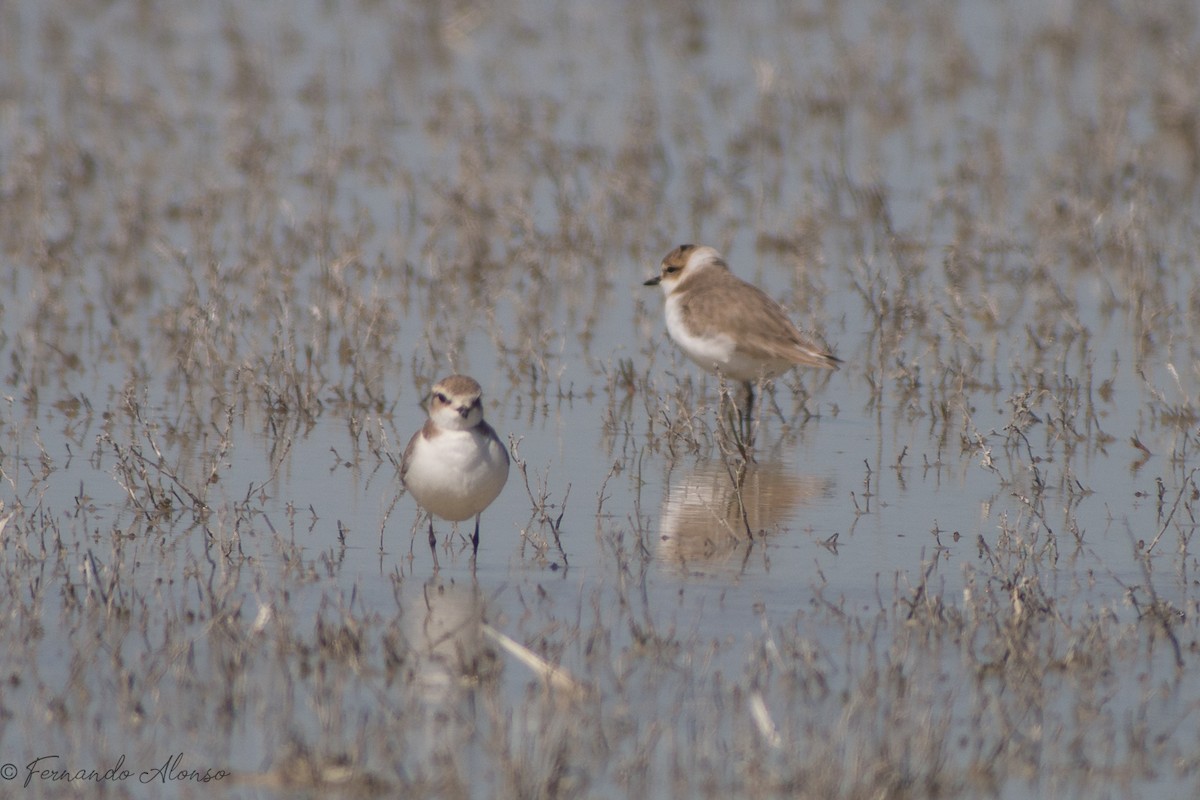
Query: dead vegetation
[[237, 249]]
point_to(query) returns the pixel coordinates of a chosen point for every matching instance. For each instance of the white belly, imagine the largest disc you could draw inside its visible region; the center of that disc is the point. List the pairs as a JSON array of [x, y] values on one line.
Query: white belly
[[457, 474], [719, 352]]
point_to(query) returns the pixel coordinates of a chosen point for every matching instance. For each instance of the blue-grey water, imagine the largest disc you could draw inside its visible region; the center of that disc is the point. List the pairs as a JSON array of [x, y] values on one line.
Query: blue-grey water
[[240, 241]]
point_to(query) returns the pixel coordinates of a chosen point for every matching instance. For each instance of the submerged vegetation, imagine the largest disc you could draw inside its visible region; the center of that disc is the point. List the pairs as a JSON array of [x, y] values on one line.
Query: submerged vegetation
[[239, 244]]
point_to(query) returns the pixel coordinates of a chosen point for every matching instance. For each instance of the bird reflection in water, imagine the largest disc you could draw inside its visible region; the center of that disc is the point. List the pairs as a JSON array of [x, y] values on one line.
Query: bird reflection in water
[[710, 518], [449, 647]]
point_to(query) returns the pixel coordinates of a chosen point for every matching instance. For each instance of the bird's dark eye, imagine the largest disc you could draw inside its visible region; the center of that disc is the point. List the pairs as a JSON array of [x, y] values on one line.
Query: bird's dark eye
[[441, 398], [672, 269]]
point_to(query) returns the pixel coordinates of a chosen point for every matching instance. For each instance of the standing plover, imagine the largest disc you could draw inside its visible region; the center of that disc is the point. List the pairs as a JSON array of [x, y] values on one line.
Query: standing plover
[[456, 465], [728, 326]]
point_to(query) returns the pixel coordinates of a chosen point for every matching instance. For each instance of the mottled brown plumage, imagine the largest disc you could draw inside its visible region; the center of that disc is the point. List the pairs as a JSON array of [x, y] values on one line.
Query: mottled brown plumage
[[729, 326]]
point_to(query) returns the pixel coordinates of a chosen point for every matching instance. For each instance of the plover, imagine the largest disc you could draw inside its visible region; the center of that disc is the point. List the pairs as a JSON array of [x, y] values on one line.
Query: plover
[[730, 327], [456, 465]]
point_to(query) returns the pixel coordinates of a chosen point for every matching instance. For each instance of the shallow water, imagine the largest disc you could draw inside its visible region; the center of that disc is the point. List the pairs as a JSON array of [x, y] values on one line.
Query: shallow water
[[240, 243]]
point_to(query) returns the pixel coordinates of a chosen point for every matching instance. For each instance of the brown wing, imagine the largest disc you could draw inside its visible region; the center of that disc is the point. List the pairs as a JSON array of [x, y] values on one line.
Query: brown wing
[[759, 324], [490, 432]]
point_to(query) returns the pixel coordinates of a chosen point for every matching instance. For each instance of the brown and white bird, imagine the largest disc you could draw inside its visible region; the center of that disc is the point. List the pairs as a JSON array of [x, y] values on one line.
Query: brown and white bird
[[728, 326], [456, 465]]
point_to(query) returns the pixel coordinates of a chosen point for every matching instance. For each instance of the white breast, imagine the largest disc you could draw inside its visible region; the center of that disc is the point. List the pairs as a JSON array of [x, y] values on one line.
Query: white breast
[[457, 474], [718, 352], [710, 352]]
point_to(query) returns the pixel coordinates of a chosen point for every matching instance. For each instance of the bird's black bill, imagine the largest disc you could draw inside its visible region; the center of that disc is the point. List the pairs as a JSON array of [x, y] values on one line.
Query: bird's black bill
[[653, 281]]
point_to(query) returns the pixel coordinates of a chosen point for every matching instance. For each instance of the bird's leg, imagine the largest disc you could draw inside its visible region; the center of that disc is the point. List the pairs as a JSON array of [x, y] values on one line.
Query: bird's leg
[[475, 538], [749, 415], [432, 538]]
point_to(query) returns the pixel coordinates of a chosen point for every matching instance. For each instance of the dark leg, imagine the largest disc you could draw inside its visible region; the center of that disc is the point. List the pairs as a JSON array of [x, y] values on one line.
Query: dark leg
[[475, 538], [748, 419], [433, 544]]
